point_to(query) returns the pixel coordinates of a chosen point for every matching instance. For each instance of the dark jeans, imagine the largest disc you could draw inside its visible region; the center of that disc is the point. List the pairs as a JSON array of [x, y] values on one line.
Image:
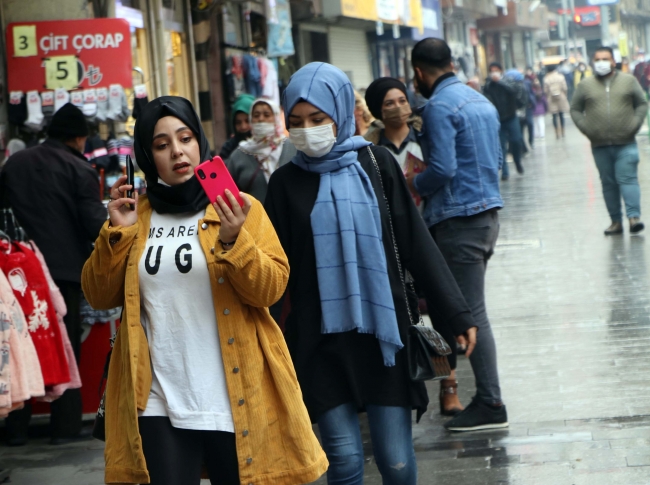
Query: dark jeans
[[510, 132], [66, 412], [175, 456], [530, 124], [467, 243], [618, 166], [392, 444], [557, 116]]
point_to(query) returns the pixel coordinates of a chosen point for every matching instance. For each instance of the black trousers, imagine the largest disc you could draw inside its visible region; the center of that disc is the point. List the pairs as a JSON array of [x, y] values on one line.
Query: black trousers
[[174, 456], [66, 412]]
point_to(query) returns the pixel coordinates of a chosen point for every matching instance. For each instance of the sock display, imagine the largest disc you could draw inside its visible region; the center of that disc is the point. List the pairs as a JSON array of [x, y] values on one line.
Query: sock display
[[77, 98], [47, 98], [141, 99], [35, 118], [125, 147], [113, 146], [118, 109], [61, 97], [17, 109], [96, 152], [102, 103], [90, 103]]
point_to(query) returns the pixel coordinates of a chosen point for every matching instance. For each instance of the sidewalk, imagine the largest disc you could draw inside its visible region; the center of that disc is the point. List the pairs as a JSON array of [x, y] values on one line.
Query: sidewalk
[[570, 311]]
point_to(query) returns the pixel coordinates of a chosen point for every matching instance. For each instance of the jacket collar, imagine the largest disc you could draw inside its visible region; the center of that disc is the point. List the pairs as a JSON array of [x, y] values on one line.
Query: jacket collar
[[62, 146], [443, 81]]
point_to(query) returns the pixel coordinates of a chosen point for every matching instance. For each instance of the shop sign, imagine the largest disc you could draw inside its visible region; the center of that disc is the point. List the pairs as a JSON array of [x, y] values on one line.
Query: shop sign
[[68, 54], [404, 12], [623, 44], [431, 21]]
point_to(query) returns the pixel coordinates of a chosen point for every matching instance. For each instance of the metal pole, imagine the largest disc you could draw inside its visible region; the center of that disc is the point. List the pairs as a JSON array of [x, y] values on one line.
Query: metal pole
[[575, 38], [604, 25], [565, 29]]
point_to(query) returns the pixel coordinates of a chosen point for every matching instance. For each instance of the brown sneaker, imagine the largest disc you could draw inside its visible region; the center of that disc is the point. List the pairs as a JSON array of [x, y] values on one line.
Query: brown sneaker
[[616, 228], [636, 226], [449, 403]]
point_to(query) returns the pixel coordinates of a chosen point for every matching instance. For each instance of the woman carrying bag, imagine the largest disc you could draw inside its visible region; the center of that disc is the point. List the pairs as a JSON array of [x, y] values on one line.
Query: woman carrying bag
[[349, 318], [199, 373]]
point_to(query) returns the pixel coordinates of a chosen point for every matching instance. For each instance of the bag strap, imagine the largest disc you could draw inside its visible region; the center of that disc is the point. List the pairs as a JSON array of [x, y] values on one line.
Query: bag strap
[[394, 240]]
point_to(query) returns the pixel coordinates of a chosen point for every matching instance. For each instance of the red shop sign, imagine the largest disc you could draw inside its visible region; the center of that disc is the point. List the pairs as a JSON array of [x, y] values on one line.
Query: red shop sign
[[68, 54]]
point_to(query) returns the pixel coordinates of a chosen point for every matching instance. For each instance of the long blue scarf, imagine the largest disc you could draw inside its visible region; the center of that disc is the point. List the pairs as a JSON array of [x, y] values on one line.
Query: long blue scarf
[[351, 263]]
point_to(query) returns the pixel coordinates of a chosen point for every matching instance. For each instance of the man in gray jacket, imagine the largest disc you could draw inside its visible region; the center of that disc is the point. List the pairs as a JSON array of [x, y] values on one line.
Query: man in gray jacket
[[609, 108]]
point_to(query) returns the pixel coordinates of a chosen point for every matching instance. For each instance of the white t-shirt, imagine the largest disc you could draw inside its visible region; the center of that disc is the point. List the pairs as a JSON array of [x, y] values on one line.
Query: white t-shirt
[[177, 313]]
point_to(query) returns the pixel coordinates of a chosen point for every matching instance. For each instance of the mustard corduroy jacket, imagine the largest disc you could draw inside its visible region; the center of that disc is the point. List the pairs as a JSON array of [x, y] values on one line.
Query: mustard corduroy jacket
[[275, 441]]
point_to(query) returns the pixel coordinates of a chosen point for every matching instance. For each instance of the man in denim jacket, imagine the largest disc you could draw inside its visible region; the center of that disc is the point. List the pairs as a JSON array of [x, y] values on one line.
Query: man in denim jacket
[[460, 144]]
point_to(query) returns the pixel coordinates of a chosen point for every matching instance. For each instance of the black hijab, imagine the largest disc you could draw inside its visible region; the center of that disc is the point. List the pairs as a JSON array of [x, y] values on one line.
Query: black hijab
[[188, 196]]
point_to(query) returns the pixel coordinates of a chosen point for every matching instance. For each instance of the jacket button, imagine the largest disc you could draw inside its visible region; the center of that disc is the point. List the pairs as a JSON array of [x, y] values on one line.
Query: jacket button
[[204, 226], [226, 312], [221, 280], [245, 433], [211, 250], [235, 370], [249, 460], [231, 341], [241, 402]]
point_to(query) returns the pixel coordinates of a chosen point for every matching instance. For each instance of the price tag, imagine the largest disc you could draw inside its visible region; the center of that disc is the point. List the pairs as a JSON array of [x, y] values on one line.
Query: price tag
[[25, 41], [61, 72]]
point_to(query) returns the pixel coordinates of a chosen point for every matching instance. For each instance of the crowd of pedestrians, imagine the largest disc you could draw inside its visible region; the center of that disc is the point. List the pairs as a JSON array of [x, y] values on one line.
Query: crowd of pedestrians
[[245, 324]]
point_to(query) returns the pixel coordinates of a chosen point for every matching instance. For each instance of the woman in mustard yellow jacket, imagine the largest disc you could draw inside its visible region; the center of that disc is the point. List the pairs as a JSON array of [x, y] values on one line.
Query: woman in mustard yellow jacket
[[200, 374]]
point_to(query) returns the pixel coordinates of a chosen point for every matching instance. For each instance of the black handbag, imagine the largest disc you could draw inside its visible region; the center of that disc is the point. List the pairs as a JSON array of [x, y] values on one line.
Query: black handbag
[[426, 350], [99, 426]]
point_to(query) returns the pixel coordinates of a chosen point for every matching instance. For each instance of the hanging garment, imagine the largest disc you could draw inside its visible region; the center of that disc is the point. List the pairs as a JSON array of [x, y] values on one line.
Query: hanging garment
[[47, 98], [5, 367], [26, 278], [271, 89], [26, 374], [17, 109], [89, 108], [58, 302], [252, 76], [61, 98], [262, 66], [102, 103], [125, 147], [141, 99], [35, 118]]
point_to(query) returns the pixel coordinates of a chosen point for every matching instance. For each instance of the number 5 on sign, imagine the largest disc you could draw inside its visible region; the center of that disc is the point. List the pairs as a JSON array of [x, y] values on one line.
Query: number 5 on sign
[[25, 41], [61, 72]]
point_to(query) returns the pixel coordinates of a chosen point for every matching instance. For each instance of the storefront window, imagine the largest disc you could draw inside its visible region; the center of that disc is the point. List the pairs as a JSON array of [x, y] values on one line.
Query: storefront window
[[177, 62]]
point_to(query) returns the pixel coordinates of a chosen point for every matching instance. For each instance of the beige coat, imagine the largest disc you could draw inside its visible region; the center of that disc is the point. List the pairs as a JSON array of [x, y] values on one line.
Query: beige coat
[[555, 89]]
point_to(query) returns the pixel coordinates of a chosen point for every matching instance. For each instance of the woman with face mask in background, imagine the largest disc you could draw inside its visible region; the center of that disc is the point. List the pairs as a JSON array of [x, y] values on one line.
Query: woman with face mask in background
[[348, 318], [198, 374], [253, 163], [555, 90], [241, 124]]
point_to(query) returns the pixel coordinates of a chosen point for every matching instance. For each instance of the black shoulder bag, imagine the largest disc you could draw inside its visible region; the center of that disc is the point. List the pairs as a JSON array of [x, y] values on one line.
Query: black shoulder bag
[[426, 350]]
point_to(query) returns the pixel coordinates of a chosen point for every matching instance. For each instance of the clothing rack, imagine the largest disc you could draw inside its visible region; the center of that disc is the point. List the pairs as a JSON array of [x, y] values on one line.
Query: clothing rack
[[256, 51]]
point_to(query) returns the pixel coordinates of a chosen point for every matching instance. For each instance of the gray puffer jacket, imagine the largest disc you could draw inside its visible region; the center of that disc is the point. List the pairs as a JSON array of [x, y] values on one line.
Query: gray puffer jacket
[[609, 111]]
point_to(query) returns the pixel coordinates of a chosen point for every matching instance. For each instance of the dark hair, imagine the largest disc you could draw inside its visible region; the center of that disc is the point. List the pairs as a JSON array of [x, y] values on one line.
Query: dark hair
[[605, 48], [495, 64], [431, 53]]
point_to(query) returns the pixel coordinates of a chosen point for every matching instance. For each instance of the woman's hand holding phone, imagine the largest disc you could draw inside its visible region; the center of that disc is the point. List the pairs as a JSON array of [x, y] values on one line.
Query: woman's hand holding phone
[[118, 211], [233, 219]]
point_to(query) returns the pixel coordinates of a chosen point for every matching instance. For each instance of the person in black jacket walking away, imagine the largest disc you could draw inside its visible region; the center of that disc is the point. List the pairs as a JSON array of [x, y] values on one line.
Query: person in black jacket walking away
[[505, 97], [54, 194], [349, 318]]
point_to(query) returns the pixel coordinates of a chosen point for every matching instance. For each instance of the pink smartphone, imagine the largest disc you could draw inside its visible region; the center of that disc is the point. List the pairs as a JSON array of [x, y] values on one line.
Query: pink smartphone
[[215, 179]]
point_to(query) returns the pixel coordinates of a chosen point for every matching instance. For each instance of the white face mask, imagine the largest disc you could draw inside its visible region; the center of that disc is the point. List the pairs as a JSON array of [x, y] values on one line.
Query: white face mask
[[603, 68], [314, 142], [262, 130]]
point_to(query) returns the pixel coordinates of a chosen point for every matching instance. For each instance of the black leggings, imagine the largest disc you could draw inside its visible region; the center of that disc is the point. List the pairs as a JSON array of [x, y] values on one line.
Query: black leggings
[[555, 117], [174, 456]]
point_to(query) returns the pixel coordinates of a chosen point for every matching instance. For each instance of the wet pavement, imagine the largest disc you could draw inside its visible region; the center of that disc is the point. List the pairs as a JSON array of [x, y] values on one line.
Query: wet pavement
[[569, 308]]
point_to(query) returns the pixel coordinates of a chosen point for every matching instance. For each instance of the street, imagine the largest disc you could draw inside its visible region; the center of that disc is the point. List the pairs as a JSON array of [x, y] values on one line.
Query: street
[[569, 308]]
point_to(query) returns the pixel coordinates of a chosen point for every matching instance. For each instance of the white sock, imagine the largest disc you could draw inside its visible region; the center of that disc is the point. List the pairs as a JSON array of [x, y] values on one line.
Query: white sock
[[90, 103], [47, 98], [102, 103], [35, 116], [61, 97], [77, 98], [115, 93]]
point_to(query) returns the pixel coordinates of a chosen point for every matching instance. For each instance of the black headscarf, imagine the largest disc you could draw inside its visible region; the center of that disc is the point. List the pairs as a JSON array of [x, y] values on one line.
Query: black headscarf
[[188, 196], [376, 93]]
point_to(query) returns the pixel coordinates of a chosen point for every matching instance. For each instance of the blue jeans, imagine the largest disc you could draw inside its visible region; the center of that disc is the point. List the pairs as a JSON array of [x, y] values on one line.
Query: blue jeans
[[511, 132], [392, 444], [618, 174]]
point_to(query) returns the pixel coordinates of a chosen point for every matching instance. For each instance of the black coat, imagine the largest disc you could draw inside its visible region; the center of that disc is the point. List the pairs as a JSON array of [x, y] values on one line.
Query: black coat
[[339, 368], [504, 96], [54, 194]]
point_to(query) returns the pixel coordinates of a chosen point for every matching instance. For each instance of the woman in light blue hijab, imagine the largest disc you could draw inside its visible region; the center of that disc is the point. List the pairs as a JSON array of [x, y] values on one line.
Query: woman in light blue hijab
[[348, 318]]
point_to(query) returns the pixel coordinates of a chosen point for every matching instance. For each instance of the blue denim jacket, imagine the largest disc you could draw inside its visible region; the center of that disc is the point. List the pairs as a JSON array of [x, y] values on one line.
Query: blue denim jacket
[[461, 147]]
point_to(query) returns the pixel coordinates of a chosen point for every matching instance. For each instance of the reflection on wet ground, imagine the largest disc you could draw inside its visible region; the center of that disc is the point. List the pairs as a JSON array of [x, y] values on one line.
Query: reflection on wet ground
[[569, 309]]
